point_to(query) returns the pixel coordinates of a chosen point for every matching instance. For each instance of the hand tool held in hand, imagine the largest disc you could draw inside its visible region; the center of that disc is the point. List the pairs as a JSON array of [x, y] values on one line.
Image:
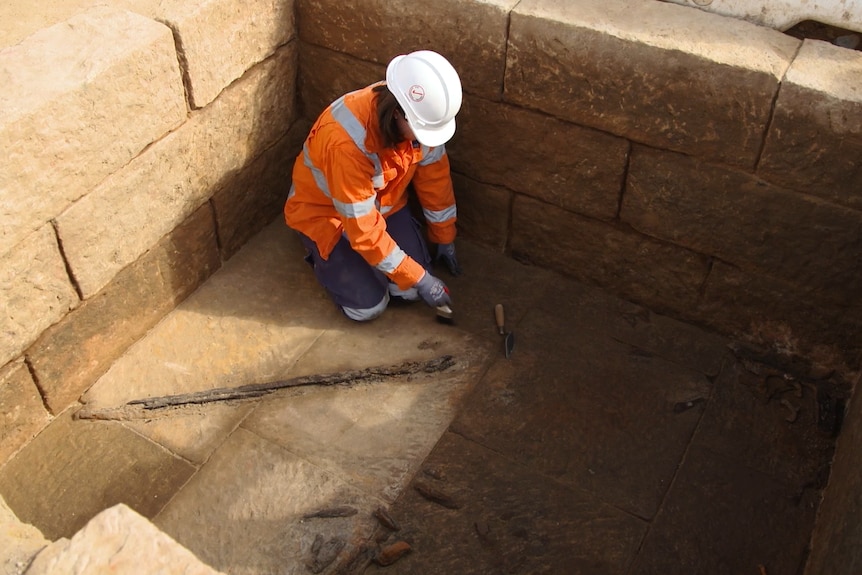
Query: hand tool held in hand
[[508, 337]]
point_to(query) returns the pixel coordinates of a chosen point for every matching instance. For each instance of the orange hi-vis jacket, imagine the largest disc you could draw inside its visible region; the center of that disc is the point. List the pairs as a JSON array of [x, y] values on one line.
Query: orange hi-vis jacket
[[346, 182]]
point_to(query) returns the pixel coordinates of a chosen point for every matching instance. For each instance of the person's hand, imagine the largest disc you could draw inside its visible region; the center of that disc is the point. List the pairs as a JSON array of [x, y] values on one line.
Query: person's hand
[[433, 291], [446, 254]]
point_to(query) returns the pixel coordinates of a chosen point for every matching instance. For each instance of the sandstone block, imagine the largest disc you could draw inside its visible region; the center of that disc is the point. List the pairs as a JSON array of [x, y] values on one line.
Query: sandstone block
[[778, 315], [133, 208], [483, 211], [118, 540], [74, 469], [20, 542], [219, 40], [72, 354], [22, 414], [327, 75], [35, 289], [814, 143], [657, 73], [78, 101], [473, 37], [833, 543], [256, 196], [578, 169], [742, 220], [629, 264]]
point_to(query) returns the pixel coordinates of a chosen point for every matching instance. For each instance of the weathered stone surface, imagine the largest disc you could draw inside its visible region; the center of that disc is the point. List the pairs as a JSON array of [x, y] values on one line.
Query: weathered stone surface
[[375, 435], [834, 546], [71, 355], [243, 512], [35, 289], [75, 469], [327, 75], [779, 315], [815, 139], [379, 30], [22, 414], [118, 540], [514, 520], [714, 521], [575, 168], [594, 413], [661, 275], [220, 39], [256, 196], [746, 422], [79, 100], [742, 220], [483, 211], [649, 71], [19, 542], [249, 323], [126, 214]]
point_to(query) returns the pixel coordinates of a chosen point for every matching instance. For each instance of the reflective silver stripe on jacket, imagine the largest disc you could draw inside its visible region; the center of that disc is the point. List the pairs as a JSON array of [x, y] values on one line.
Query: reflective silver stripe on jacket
[[357, 133], [440, 216], [348, 121], [391, 262], [431, 155]]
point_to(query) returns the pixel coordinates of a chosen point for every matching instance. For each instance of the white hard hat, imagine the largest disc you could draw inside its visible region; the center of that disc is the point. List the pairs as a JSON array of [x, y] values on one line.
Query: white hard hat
[[428, 89]]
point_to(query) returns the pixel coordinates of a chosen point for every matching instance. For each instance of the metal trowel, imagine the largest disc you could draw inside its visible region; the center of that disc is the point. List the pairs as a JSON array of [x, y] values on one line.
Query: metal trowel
[[508, 337]]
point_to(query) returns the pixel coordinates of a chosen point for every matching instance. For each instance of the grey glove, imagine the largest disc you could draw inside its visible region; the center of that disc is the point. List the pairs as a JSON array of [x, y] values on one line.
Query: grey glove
[[446, 253], [433, 291]]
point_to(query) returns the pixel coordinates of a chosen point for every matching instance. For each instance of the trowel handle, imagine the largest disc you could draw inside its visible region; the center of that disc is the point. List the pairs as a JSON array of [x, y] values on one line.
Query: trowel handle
[[500, 317]]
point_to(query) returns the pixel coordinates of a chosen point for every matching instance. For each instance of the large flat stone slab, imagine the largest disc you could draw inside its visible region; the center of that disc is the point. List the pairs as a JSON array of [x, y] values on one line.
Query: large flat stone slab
[[588, 410], [509, 518], [75, 469], [722, 517], [375, 434], [250, 323], [243, 512]]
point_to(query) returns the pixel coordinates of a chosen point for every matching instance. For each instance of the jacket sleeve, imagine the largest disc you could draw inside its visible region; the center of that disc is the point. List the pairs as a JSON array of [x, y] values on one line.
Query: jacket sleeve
[[349, 181], [433, 184]]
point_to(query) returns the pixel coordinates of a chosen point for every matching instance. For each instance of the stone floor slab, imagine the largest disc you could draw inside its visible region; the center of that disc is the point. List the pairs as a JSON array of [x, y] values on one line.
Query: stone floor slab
[[589, 410], [243, 512], [248, 324], [747, 421], [723, 518], [510, 519], [75, 469], [373, 435]]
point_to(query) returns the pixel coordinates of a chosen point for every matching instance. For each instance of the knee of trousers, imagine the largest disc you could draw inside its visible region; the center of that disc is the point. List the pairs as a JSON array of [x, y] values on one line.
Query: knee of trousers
[[410, 294], [367, 314]]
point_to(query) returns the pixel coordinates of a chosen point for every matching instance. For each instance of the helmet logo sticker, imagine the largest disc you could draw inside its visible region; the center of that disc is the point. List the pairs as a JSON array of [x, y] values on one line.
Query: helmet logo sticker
[[416, 93]]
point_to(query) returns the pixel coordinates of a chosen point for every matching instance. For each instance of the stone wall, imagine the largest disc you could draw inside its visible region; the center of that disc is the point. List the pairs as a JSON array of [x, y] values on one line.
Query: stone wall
[[702, 165], [143, 145]]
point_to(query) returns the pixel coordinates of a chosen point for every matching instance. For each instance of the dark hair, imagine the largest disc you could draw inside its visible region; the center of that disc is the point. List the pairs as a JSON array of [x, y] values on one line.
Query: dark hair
[[386, 107]]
